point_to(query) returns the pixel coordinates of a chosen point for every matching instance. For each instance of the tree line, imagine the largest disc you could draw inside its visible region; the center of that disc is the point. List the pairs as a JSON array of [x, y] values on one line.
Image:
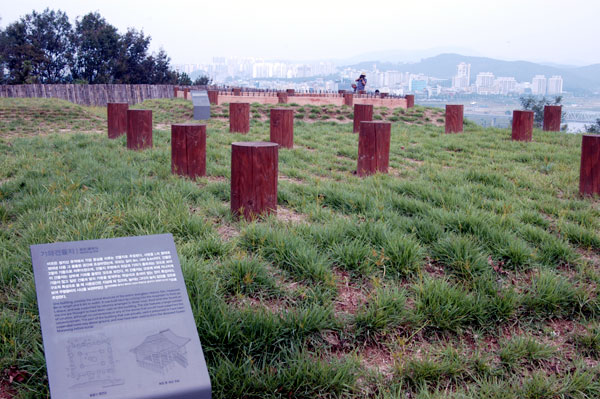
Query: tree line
[[46, 48]]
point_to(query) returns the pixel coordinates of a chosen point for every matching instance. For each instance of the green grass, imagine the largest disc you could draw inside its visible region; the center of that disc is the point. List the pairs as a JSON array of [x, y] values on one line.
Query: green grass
[[451, 276]]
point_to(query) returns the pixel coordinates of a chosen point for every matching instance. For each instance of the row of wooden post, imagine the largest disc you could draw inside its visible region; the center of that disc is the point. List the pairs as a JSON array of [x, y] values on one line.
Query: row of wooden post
[[254, 165]]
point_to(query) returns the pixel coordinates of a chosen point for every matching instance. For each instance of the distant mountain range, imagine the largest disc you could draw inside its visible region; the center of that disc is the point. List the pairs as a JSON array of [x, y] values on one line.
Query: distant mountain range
[[576, 79]]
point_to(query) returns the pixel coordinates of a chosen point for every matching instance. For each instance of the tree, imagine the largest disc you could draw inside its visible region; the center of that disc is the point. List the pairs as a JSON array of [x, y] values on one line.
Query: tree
[[593, 128], [183, 79], [97, 49], [38, 48], [159, 69], [531, 103], [130, 66], [202, 81]]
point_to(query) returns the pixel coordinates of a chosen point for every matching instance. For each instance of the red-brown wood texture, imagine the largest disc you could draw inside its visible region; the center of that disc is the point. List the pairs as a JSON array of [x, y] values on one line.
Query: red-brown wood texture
[[237, 92], [522, 125], [282, 127], [188, 150], [410, 100], [454, 118], [589, 173], [362, 112], [175, 91], [348, 99], [373, 148], [282, 98], [213, 96], [552, 116], [139, 129], [383, 95], [239, 117], [117, 119], [254, 169], [186, 94], [362, 92], [290, 92]]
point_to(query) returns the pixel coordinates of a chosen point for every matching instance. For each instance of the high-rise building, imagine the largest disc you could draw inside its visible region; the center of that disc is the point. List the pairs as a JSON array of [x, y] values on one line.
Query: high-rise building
[[506, 85], [462, 80], [538, 85], [555, 85]]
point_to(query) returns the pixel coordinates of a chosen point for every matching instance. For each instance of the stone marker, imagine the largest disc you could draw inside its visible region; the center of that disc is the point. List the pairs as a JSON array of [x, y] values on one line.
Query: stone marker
[[282, 98], [254, 168], [188, 150], [139, 129], [213, 96], [373, 148], [348, 99], [454, 118], [201, 105], [589, 172], [239, 117], [116, 320], [522, 125], [552, 116], [410, 100], [282, 127], [117, 119], [362, 112]]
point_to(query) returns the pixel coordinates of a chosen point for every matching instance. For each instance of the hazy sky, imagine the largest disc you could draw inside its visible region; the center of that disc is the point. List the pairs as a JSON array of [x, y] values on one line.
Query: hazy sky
[[194, 31]]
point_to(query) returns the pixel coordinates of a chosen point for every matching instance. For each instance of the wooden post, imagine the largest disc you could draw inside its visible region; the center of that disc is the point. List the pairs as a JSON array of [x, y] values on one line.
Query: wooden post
[[175, 91], [552, 116], [454, 118], [188, 150], [374, 147], [290, 92], [213, 96], [348, 99], [117, 119], [522, 125], [282, 127], [589, 173], [254, 179], [362, 112], [237, 91], [282, 98], [410, 100], [362, 92], [239, 117], [186, 93], [139, 129]]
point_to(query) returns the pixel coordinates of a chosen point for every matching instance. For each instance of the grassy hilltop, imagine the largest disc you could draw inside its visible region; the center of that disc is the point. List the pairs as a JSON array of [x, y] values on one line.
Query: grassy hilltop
[[471, 270]]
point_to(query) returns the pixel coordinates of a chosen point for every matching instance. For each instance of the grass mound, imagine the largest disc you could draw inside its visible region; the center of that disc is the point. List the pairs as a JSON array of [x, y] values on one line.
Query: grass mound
[[470, 270]]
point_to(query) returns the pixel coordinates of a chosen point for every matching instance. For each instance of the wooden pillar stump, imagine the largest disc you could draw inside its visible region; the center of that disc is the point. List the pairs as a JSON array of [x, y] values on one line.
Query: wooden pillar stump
[[552, 116], [373, 148], [117, 119], [186, 94], [362, 112], [454, 118], [239, 117], [188, 150], [589, 172], [282, 98], [213, 96], [290, 92], [139, 129], [254, 168], [410, 100], [282, 127], [174, 91], [237, 91], [348, 99], [522, 125]]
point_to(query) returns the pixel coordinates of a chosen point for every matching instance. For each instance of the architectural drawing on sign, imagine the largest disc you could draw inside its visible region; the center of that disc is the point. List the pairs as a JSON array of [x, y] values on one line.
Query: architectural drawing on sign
[[158, 352], [91, 361]]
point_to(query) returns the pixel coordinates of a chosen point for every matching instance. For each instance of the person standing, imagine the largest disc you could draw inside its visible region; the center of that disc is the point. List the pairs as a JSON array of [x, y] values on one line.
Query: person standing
[[361, 82]]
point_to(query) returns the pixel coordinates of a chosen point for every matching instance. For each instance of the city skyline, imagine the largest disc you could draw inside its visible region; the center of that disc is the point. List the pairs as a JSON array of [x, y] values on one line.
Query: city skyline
[[190, 32]]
